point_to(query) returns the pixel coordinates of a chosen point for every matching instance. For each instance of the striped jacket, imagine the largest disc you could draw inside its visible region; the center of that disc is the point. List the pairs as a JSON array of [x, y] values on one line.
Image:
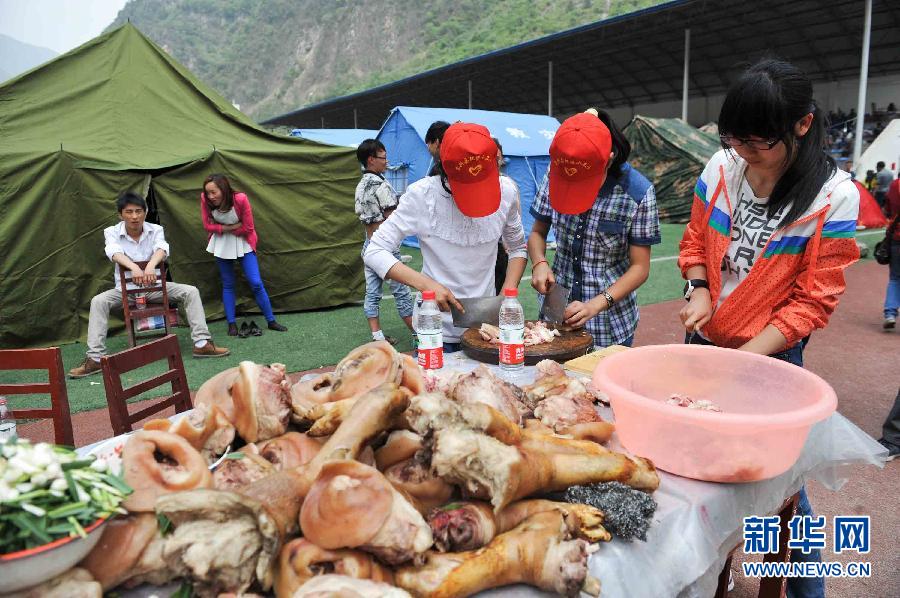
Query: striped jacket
[[796, 282]]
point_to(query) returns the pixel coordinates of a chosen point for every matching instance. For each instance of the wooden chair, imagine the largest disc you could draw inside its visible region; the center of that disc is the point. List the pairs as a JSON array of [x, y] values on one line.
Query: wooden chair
[[114, 366], [769, 587], [41, 359], [133, 312]]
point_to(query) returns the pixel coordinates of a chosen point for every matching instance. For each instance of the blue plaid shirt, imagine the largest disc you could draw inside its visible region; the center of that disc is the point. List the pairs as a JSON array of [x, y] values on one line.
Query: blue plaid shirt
[[592, 247]]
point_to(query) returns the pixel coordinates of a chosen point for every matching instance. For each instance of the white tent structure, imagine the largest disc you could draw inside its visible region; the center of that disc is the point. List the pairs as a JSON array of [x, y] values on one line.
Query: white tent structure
[[885, 148]]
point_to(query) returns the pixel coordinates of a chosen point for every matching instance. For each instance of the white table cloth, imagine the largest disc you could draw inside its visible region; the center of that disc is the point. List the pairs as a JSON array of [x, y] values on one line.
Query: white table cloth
[[697, 523]]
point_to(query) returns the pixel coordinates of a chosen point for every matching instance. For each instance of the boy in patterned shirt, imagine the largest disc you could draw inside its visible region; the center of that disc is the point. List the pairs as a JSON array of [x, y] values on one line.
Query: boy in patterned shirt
[[375, 200]]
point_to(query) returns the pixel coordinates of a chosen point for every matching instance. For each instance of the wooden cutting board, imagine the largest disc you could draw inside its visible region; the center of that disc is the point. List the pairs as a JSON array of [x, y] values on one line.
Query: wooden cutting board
[[570, 344]]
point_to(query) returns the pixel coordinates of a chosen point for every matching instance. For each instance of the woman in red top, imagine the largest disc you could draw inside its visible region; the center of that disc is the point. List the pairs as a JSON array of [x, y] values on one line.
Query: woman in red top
[[228, 219]]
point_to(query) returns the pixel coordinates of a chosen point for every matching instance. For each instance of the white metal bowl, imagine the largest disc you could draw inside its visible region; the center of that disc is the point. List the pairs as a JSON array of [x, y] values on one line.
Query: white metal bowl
[[28, 568]]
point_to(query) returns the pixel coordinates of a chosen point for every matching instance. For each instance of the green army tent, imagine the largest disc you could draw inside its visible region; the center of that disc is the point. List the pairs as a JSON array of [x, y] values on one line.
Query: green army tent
[[672, 154], [118, 113]]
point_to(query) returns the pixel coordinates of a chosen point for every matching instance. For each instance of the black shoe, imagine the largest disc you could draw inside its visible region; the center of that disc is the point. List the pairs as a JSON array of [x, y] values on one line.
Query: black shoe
[[232, 329], [273, 325], [245, 331], [254, 329], [893, 449]]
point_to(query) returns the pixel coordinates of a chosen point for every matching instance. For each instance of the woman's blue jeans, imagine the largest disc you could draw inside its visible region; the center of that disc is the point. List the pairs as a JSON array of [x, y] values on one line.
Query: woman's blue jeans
[[250, 266]]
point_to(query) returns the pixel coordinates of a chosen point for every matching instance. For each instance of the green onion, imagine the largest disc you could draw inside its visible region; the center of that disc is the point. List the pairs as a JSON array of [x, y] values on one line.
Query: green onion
[[78, 529], [235, 455], [81, 463], [164, 524]]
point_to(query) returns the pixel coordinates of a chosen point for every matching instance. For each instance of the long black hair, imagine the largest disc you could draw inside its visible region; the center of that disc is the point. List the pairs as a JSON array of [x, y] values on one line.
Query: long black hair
[[620, 146], [767, 101]]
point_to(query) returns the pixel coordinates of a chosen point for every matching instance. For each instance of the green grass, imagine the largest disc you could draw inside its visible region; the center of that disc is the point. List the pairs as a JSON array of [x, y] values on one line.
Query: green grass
[[320, 338]]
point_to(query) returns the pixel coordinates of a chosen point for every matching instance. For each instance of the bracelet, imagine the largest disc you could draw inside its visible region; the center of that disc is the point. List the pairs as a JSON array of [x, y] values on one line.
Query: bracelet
[[536, 264], [609, 299]]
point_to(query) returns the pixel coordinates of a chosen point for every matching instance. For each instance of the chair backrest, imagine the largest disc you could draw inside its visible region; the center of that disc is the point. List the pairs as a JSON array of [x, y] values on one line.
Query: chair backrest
[[41, 359], [132, 313], [117, 396]]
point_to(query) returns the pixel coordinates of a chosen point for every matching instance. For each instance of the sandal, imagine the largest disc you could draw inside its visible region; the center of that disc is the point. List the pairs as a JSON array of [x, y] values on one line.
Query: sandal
[[254, 329], [245, 331]]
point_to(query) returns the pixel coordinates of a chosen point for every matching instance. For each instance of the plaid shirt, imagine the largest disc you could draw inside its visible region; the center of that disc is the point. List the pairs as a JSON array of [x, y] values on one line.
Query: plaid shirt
[[592, 247]]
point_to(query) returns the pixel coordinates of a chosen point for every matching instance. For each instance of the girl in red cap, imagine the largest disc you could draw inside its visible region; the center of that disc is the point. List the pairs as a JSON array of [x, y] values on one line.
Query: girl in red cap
[[459, 216], [771, 232], [604, 215]]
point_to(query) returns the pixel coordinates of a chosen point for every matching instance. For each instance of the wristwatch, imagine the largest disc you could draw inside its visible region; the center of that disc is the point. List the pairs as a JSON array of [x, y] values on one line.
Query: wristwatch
[[694, 283]]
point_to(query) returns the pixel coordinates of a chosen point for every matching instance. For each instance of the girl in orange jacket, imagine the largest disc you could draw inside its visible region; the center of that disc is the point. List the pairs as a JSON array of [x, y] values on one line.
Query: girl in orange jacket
[[771, 232]]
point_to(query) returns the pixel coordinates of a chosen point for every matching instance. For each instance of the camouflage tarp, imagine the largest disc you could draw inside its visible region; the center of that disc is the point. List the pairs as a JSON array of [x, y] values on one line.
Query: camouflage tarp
[[672, 154], [712, 127]]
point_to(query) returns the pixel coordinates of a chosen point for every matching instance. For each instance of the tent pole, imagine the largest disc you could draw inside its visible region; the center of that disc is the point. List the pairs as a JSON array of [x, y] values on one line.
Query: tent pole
[[687, 65], [863, 82], [469, 82], [354, 119], [549, 88], [323, 122]]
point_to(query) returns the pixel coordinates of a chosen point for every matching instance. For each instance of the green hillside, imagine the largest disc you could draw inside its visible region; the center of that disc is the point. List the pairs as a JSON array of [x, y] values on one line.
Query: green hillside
[[272, 56]]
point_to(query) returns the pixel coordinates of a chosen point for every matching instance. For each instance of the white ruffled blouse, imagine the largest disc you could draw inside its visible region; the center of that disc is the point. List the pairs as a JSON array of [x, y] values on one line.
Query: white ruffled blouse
[[457, 251], [227, 246]]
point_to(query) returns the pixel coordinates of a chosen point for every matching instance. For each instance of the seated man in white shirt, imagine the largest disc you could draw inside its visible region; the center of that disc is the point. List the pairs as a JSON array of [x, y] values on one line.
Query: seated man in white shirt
[[127, 242]]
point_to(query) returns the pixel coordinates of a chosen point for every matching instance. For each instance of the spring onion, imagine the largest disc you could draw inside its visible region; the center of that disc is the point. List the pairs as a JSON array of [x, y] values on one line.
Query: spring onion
[[49, 492]]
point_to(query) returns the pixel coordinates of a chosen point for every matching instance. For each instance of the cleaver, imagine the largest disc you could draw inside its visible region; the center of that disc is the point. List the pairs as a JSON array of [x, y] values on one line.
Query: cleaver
[[479, 310], [555, 304]]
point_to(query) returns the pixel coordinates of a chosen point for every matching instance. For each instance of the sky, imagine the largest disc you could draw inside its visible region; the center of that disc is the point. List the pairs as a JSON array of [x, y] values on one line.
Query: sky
[[60, 25]]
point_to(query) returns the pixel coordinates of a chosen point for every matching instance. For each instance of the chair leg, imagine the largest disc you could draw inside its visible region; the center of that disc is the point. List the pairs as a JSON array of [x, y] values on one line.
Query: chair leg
[[776, 587], [129, 326], [722, 588]]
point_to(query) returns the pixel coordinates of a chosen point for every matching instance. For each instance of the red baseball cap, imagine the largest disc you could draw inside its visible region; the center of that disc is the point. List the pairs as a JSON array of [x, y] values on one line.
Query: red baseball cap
[[469, 157], [579, 154]]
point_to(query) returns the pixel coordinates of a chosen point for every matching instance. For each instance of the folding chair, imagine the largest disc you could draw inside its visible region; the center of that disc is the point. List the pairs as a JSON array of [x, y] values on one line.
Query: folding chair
[[133, 312], [41, 359], [114, 366]]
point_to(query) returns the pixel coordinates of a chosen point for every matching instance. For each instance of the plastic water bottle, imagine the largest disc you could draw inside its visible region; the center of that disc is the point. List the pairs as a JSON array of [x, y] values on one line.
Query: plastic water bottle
[[512, 334], [7, 423], [428, 324]]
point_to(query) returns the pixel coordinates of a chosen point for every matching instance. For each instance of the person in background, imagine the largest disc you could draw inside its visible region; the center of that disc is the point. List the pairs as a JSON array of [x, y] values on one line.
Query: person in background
[[883, 180], [375, 201], [771, 232], [433, 137], [459, 215], [604, 215], [502, 256], [890, 431], [892, 294], [134, 240], [228, 221]]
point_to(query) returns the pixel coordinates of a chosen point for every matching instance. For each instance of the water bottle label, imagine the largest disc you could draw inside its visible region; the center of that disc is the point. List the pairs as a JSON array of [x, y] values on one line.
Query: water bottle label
[[512, 346], [431, 350]]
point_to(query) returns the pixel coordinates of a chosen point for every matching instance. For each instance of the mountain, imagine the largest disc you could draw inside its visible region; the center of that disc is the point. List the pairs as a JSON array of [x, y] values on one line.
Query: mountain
[[17, 57], [273, 56]]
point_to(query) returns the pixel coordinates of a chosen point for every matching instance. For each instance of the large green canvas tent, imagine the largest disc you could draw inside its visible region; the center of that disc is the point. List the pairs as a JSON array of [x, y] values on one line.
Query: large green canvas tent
[[119, 113], [672, 154]]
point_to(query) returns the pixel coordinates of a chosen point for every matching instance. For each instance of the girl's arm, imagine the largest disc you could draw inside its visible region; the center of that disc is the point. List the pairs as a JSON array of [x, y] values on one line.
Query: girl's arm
[[245, 215], [379, 255], [577, 313], [209, 225]]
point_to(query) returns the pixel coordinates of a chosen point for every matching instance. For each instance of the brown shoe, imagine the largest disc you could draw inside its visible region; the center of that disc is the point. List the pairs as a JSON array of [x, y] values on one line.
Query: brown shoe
[[210, 350], [85, 369]]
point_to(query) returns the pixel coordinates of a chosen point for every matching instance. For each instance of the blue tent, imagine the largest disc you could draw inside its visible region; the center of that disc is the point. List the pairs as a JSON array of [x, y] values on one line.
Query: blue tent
[[525, 139], [345, 137]]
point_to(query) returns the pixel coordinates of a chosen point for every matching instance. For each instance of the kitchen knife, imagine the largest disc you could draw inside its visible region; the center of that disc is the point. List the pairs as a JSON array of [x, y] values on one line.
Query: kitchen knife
[[555, 304], [478, 311]]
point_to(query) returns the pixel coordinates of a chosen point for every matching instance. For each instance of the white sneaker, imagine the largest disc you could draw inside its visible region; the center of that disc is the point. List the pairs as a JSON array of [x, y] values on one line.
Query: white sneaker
[[730, 581], [889, 323]]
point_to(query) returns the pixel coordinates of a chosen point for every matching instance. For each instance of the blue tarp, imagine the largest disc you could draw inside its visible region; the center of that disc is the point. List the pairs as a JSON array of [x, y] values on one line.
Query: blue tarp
[[525, 139], [345, 137]]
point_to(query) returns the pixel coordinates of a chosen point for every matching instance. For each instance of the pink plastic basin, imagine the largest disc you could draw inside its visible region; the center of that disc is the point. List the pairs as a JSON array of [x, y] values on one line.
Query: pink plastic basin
[[768, 407]]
